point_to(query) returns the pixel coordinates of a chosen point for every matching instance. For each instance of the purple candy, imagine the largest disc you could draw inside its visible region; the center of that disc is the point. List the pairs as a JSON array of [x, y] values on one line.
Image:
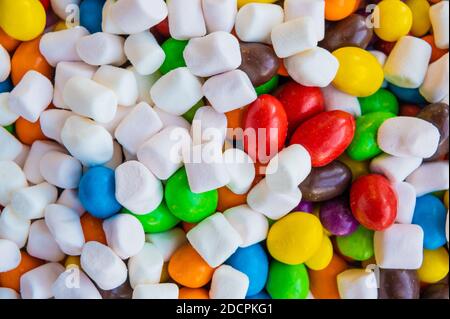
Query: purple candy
[[304, 206], [337, 217]]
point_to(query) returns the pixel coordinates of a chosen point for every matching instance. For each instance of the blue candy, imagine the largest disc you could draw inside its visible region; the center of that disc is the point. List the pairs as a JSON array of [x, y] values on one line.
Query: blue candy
[[97, 192], [261, 295], [407, 95], [91, 15], [6, 86], [430, 214], [253, 262]]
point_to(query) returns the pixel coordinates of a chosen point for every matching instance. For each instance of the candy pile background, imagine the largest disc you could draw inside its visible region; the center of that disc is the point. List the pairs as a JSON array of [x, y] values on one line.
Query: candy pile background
[[352, 203]]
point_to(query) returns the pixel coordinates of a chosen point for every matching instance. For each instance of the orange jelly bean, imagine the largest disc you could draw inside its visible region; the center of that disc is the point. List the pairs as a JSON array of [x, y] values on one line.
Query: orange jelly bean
[[323, 282], [11, 279], [339, 9], [29, 132], [193, 293], [92, 228], [7, 42]]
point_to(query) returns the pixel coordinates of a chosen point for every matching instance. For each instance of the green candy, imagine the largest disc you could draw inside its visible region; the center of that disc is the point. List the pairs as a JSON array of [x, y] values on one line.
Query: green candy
[[189, 115], [381, 101], [186, 205], [267, 87], [287, 281], [174, 55], [157, 221], [358, 245], [10, 128], [364, 145]]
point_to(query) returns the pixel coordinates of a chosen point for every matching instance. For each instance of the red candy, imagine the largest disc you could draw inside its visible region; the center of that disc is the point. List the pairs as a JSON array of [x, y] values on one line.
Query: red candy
[[163, 28], [325, 136], [45, 4], [409, 110], [373, 202]]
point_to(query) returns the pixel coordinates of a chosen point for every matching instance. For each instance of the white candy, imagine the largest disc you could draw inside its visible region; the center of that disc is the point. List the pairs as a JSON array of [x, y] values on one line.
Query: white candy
[[22, 157], [10, 255], [117, 157], [219, 15], [74, 284], [167, 242], [61, 170], [228, 283], [11, 179], [134, 16], [103, 266], [255, 21], [88, 142], [214, 239], [7, 116], [251, 225], [146, 266], [216, 53], [10, 146], [37, 283], [32, 95], [121, 81], [121, 113], [315, 67], [5, 64], [229, 91], [52, 122], [430, 177], [102, 48], [145, 83], [188, 90], [407, 63], [158, 291], [208, 125], [108, 24], [172, 120], [337, 100], [41, 243], [399, 247], [315, 9], [357, 284], [435, 85], [272, 204], [406, 202], [241, 170], [30, 202], [63, 8], [38, 149], [61, 45], [294, 36], [137, 189], [406, 136], [186, 19], [144, 52], [8, 293], [69, 198], [439, 15], [14, 227], [396, 169]]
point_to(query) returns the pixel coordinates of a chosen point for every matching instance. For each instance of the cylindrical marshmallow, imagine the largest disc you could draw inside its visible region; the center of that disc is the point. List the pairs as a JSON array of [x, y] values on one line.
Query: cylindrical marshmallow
[[146, 266], [337, 100], [241, 170], [430, 177], [14, 227], [396, 169], [69, 198], [439, 15], [186, 19], [22, 157], [8, 293], [41, 243], [108, 24], [167, 242], [37, 283], [228, 283], [10, 146], [357, 284], [62, 7], [145, 83], [208, 125], [435, 86], [144, 52], [30, 202], [52, 122], [172, 120], [219, 15], [102, 48], [406, 202], [315, 9], [5, 64], [7, 117], [12, 179], [74, 284], [61, 170], [156, 291], [10, 254]]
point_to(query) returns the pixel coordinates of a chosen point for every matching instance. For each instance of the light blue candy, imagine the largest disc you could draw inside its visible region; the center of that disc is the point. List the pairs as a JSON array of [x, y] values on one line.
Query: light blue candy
[[261, 295], [407, 95], [6, 86], [91, 15]]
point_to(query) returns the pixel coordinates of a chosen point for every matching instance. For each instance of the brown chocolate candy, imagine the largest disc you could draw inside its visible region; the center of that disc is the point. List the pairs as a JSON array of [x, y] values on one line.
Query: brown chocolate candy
[[259, 62], [124, 291], [399, 284], [437, 114]]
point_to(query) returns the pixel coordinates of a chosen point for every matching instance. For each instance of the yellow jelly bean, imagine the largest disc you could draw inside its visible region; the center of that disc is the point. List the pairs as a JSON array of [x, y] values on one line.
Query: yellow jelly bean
[[446, 199], [434, 265], [358, 168], [421, 20], [359, 74], [72, 261], [394, 20], [322, 258], [244, 2], [295, 238], [22, 19]]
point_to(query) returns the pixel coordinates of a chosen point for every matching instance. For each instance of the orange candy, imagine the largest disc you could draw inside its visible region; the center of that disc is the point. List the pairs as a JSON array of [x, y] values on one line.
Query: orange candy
[[323, 283], [28, 132], [7, 42], [282, 69], [228, 199], [436, 53], [188, 268], [193, 293], [187, 226], [92, 228], [339, 9], [11, 279]]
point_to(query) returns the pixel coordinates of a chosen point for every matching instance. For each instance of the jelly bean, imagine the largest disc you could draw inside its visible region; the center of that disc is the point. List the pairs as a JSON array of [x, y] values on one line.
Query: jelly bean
[[398, 284], [381, 101], [193, 293], [436, 53], [323, 282], [304, 206], [28, 132], [395, 20], [373, 202], [93, 228], [420, 17], [340, 9], [244, 2], [6, 86], [173, 50], [321, 259], [364, 145], [295, 238], [259, 62], [156, 221], [185, 204], [438, 115], [436, 291], [91, 15], [97, 192], [287, 281], [11, 279], [267, 87], [434, 266], [359, 74], [253, 262], [337, 218], [358, 168], [350, 32], [430, 214], [7, 42], [407, 95], [228, 199], [358, 245], [409, 110], [327, 182], [124, 291]]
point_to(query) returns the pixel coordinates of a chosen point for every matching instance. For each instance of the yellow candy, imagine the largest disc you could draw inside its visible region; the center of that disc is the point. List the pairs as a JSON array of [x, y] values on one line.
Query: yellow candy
[[165, 273], [322, 258], [395, 20], [358, 168], [434, 266], [61, 25], [359, 74], [295, 238], [446, 199], [72, 261], [421, 20], [244, 2], [22, 19]]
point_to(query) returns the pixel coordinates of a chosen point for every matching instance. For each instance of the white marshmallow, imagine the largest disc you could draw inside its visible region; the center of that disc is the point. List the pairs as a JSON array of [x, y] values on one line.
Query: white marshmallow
[[430, 177], [144, 52], [128, 156], [8, 293], [435, 86], [272, 204], [315, 9], [216, 53], [241, 170], [52, 122], [396, 169], [108, 24], [102, 48], [228, 283], [41, 243], [10, 146], [315, 67], [219, 15], [11, 179], [103, 266], [61, 45], [10, 255], [157, 291], [214, 239], [37, 283], [255, 21], [439, 15], [14, 227], [5, 64], [167, 242], [146, 266], [22, 157], [134, 16], [32, 95], [38, 149], [405, 136], [117, 157], [208, 125], [61, 170], [186, 19], [121, 113], [88, 142], [62, 8], [229, 91], [399, 247], [172, 120], [407, 63], [7, 116], [69, 198], [145, 83], [357, 284], [74, 284], [406, 202], [337, 100], [30, 202]]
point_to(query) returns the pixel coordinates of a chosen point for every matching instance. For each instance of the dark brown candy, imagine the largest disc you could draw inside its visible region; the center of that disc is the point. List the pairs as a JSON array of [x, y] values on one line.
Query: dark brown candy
[[259, 62], [327, 182], [437, 114], [436, 291], [350, 32], [399, 284], [124, 291]]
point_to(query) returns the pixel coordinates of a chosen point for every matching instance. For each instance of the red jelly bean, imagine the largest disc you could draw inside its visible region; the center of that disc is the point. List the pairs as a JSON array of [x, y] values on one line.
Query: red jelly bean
[[300, 103], [265, 128], [325, 136], [373, 202]]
